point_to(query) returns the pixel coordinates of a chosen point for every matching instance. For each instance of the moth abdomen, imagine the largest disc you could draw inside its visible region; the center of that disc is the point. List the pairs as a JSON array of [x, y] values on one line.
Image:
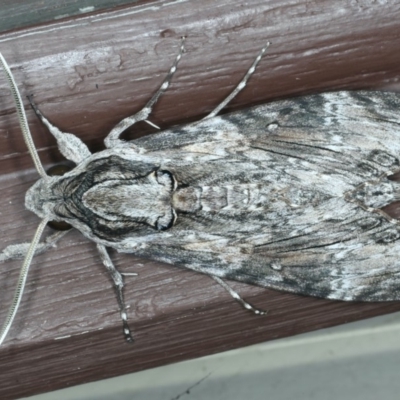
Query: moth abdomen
[[187, 199]]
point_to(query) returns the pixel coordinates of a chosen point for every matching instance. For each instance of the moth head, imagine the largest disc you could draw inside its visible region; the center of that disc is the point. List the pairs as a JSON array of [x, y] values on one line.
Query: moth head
[[40, 198]]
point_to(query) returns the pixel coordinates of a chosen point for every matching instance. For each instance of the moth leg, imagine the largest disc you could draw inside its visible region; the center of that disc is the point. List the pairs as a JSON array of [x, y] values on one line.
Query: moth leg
[[18, 251], [129, 274], [112, 139], [118, 286], [70, 146], [237, 297], [241, 85]]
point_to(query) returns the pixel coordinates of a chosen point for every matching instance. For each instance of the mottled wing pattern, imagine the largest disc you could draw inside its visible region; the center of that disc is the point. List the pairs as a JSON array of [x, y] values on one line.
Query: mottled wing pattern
[[284, 196]]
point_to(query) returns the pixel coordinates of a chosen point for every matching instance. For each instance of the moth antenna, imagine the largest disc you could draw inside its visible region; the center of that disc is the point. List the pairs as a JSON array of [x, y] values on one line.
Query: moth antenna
[[22, 118], [21, 281]]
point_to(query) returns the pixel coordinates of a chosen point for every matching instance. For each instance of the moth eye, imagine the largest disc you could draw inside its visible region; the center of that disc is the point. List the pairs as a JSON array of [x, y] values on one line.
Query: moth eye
[[59, 170], [59, 225]]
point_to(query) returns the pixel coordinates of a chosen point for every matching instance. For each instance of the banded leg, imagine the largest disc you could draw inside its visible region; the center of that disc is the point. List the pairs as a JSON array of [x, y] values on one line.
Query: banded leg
[[118, 286], [19, 251], [237, 297], [241, 85], [70, 146], [112, 140]]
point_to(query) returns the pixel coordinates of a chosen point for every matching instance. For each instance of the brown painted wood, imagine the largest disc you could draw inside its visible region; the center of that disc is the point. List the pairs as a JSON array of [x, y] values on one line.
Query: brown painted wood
[[88, 73], [22, 13]]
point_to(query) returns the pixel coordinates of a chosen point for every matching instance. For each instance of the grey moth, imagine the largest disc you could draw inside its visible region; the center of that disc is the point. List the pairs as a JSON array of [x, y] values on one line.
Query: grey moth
[[289, 195]]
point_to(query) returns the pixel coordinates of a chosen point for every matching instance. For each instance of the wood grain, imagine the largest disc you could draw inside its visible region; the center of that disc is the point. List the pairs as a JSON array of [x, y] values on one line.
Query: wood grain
[[87, 73], [16, 14]]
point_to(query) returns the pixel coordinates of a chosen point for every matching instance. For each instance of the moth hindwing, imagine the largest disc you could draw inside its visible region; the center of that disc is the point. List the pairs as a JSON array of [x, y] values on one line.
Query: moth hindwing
[[290, 195]]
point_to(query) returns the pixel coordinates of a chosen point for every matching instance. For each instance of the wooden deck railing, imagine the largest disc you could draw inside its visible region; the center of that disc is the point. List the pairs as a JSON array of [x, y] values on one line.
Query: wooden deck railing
[[89, 72]]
